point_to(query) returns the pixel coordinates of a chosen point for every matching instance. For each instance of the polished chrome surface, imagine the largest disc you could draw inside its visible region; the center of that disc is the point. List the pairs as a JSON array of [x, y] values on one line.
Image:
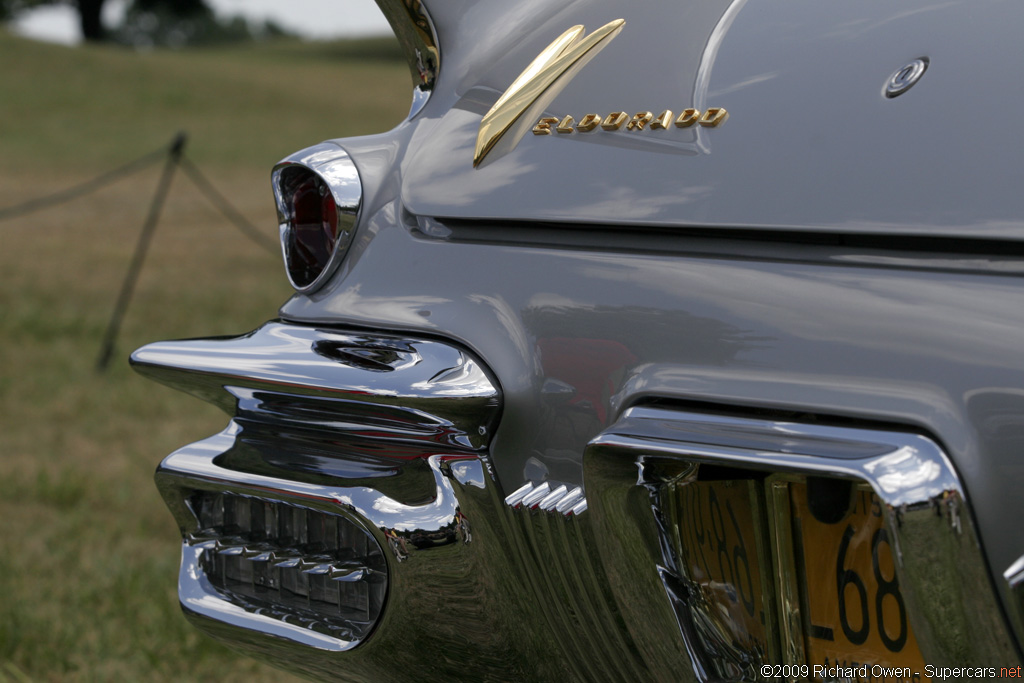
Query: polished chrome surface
[[935, 547], [338, 171], [400, 528], [543, 497], [350, 425], [316, 570], [415, 31], [565, 591], [906, 77], [1014, 578], [420, 390], [381, 435]]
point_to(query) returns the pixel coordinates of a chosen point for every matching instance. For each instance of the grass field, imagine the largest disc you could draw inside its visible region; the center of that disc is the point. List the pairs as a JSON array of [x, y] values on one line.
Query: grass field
[[88, 552]]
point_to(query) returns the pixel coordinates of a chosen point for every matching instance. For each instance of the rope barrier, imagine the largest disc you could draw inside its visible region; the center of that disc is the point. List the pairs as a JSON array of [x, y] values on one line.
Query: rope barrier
[[141, 249], [198, 178], [82, 189], [225, 207], [174, 155]]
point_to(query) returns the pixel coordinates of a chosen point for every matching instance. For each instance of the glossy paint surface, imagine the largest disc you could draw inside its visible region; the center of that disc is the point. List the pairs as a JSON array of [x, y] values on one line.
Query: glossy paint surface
[[921, 335], [828, 331], [568, 268], [812, 141]]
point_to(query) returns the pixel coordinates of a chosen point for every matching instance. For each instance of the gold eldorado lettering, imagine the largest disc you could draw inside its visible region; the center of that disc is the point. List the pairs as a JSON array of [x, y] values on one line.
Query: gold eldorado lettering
[[713, 117], [589, 123]]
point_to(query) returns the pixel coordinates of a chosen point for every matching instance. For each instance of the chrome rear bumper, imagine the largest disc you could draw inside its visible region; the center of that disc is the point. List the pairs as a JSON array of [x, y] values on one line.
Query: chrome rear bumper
[[345, 459], [351, 502]]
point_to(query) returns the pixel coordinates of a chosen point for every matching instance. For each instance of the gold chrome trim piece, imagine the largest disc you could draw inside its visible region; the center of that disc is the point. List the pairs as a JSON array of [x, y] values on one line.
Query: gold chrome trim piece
[[639, 120], [662, 120], [566, 126], [614, 120], [688, 117], [539, 79], [712, 118], [543, 126], [589, 123]]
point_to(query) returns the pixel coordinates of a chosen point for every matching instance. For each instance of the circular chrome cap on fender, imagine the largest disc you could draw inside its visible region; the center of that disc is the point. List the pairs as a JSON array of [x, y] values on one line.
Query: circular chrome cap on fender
[[319, 195], [906, 77]]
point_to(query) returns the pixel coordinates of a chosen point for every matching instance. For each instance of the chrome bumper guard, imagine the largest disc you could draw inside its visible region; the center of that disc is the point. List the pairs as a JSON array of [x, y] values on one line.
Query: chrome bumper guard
[[348, 456], [951, 600]]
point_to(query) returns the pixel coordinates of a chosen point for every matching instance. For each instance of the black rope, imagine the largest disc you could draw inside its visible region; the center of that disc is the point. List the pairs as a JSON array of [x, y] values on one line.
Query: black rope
[[175, 158], [64, 196], [141, 248], [225, 207]]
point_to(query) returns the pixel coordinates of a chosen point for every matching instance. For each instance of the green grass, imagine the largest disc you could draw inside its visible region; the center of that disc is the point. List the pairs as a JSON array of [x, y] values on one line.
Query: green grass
[[88, 552]]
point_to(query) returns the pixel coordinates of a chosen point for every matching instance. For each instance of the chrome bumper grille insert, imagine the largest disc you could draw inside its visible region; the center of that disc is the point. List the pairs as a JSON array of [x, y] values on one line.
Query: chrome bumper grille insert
[[302, 566]]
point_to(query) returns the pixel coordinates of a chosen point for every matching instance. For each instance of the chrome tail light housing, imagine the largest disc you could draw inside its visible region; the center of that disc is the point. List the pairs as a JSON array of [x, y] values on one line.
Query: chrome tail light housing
[[319, 195]]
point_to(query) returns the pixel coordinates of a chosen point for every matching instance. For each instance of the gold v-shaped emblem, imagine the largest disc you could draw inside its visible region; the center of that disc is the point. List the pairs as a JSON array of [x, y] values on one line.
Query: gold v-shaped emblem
[[538, 84]]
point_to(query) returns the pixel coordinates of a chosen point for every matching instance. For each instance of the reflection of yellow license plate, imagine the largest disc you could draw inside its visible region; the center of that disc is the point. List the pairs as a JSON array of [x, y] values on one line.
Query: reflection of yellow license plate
[[828, 588], [853, 611], [722, 545]]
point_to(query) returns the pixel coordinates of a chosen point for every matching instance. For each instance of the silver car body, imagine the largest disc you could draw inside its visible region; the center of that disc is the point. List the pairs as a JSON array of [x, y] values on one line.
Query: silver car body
[[828, 283]]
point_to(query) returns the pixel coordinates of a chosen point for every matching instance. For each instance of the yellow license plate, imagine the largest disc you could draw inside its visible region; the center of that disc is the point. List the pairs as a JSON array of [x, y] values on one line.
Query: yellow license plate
[[854, 613], [771, 582]]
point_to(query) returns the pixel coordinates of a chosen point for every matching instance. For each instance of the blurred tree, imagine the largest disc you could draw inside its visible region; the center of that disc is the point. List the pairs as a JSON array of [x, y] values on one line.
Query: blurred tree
[[179, 23], [176, 8], [157, 23], [89, 14]]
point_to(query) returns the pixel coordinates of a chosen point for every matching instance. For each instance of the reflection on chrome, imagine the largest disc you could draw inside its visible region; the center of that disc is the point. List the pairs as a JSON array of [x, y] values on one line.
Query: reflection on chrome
[[348, 456], [415, 32], [447, 396], [1014, 578], [748, 484], [308, 568], [193, 483]]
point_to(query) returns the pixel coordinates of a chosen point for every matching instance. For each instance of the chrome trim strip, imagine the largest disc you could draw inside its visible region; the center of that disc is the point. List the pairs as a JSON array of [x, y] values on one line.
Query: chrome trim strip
[[573, 498], [536, 495], [421, 390], [549, 501], [561, 499], [415, 31], [338, 171], [707, 62], [907, 471], [1014, 577], [516, 497]]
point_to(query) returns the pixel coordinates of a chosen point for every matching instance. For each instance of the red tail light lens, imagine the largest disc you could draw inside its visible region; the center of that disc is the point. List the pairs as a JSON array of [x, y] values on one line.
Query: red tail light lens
[[318, 195], [313, 232]]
